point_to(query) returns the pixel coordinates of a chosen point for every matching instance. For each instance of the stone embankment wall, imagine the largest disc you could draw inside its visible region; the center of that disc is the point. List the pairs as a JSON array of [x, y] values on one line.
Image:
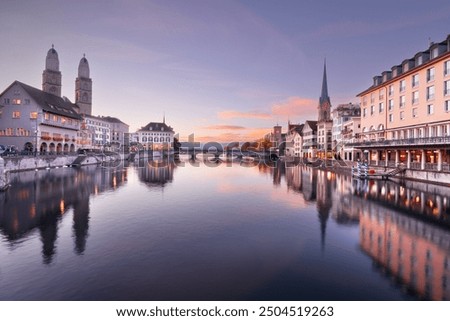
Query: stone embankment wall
[[17, 164]]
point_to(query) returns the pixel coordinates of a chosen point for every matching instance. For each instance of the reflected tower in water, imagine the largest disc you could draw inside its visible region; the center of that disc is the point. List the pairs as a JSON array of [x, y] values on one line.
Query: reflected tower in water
[[40, 200]]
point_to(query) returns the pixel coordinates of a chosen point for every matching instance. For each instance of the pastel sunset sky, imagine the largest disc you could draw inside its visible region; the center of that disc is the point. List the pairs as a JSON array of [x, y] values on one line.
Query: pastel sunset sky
[[223, 70]]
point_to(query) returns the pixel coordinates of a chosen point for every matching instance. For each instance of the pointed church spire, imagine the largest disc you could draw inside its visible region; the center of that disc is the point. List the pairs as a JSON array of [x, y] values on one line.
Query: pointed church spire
[[324, 100], [324, 93], [164, 118]]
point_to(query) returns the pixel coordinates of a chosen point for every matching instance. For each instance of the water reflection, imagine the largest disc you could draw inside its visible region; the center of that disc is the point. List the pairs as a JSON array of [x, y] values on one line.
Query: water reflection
[[156, 173], [271, 228], [39, 200], [402, 227]]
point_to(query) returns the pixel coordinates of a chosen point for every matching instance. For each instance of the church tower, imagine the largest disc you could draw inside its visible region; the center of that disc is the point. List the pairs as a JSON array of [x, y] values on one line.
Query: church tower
[[324, 100], [51, 77], [83, 88]]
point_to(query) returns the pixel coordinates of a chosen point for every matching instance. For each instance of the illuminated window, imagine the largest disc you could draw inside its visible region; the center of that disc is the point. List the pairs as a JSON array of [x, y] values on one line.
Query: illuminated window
[[55, 118], [46, 116], [33, 115], [16, 114], [16, 101]]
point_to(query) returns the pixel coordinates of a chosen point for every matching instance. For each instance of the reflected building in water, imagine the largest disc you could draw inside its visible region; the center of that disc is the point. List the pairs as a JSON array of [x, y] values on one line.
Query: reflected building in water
[[403, 228], [415, 253], [156, 174], [40, 200]]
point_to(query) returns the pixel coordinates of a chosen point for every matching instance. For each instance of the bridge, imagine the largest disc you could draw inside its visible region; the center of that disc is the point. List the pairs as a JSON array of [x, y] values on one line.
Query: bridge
[[238, 154]]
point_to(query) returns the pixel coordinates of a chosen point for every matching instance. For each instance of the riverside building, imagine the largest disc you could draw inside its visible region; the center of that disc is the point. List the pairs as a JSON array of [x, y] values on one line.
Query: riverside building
[[406, 113]]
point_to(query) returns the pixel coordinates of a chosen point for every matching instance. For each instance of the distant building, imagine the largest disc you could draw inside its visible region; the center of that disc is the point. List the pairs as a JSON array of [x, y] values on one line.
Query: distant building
[[309, 147], [98, 130], [154, 136], [277, 136], [346, 128], [119, 133], [294, 140]]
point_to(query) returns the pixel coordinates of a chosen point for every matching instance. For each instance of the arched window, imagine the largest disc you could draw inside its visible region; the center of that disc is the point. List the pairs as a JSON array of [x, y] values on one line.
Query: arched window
[[380, 127], [168, 139], [150, 139], [156, 139]]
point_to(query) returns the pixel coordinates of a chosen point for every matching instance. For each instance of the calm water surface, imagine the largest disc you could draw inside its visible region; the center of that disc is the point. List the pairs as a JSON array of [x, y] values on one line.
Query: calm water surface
[[221, 233]]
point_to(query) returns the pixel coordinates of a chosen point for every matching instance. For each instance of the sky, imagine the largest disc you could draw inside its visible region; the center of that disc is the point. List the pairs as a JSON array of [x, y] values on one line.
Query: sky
[[222, 70]]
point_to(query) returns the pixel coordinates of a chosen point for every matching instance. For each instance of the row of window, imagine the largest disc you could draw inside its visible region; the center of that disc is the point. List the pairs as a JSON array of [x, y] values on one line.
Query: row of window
[[414, 83], [414, 101], [56, 136], [155, 139], [16, 101], [15, 132], [421, 132], [431, 131], [430, 111], [97, 123], [48, 117], [155, 134]]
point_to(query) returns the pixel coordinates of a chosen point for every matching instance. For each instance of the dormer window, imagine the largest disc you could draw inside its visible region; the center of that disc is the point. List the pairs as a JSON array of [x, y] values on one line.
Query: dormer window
[[434, 52]]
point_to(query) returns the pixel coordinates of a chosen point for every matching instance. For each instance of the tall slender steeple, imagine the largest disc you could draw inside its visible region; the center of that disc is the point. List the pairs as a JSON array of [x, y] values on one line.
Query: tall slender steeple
[[83, 88], [51, 77], [324, 100]]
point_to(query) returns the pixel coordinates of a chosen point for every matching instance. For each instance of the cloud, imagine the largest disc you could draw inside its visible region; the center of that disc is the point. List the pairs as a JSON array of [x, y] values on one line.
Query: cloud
[[229, 114], [295, 106], [224, 127], [246, 135]]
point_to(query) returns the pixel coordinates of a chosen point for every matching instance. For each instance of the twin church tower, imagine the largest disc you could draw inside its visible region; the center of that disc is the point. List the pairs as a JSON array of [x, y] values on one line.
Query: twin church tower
[[51, 81]]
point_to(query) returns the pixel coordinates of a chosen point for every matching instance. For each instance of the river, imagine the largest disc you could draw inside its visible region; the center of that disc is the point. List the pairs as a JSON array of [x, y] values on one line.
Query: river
[[231, 231]]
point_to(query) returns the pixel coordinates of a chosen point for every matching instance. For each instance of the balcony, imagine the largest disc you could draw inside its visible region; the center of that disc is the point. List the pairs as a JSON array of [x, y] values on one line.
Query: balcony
[[65, 125], [424, 141]]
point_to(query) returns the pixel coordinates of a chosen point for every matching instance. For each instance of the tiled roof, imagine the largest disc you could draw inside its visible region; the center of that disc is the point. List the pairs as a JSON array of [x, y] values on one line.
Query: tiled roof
[[51, 103], [153, 126]]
